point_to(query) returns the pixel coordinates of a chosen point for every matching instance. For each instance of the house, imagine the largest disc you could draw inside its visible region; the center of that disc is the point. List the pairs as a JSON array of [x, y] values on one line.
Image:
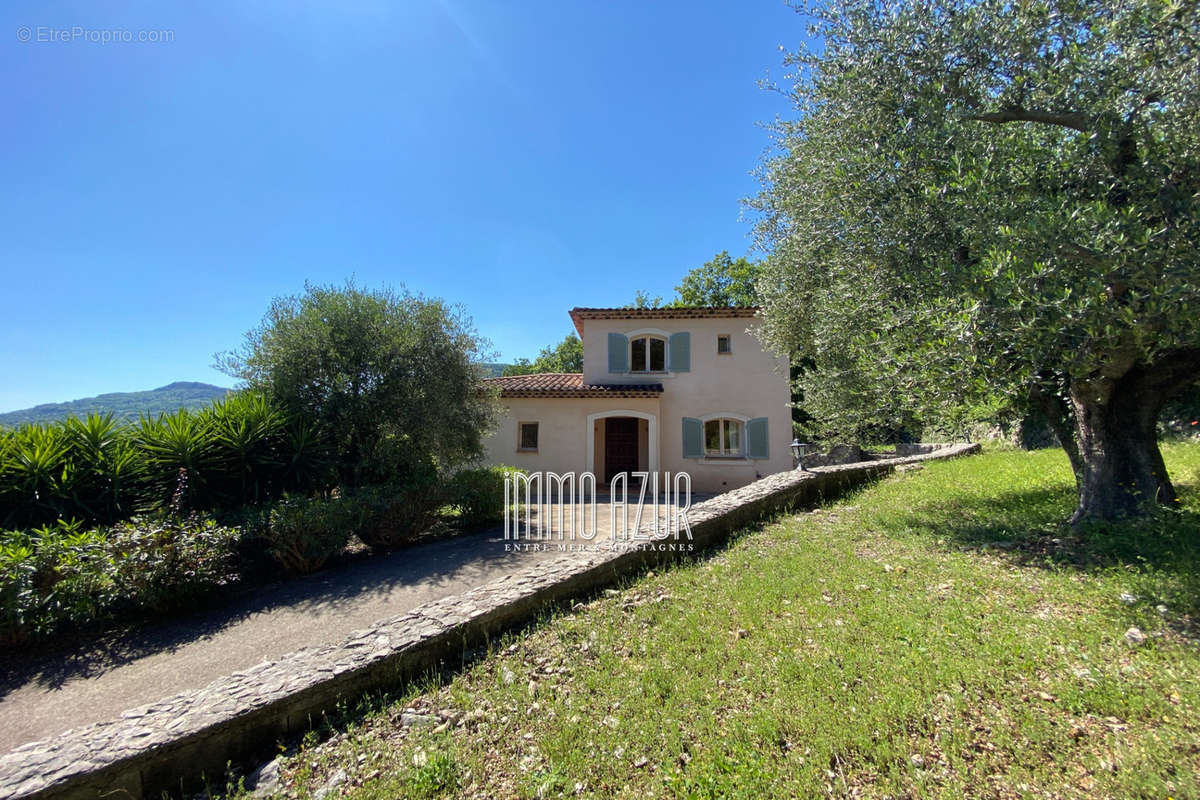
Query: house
[[662, 389]]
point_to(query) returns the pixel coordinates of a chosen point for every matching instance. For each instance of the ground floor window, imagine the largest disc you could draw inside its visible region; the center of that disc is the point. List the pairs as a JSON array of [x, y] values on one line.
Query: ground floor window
[[723, 437], [527, 437]]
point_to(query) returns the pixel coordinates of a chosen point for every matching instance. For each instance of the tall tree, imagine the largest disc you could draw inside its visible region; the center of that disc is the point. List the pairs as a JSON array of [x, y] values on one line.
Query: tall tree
[[643, 299], [566, 356], [721, 281], [985, 196], [388, 376]]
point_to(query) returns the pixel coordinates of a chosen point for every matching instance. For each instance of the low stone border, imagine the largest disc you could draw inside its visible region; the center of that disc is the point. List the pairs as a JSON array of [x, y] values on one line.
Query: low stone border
[[166, 746]]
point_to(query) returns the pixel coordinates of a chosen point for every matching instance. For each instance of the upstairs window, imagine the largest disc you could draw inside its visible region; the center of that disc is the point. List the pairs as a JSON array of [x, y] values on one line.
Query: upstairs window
[[723, 437], [648, 354], [724, 347]]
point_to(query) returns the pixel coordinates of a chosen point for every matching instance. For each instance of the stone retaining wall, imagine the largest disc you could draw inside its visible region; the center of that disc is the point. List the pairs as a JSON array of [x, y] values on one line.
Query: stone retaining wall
[[921, 449], [168, 745]]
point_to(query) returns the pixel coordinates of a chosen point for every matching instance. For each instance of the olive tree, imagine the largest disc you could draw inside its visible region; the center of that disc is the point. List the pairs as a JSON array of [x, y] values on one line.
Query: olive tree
[[389, 377], [1011, 189]]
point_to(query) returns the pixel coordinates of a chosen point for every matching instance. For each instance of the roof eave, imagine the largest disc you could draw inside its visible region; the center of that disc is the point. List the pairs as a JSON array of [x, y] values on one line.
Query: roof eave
[[579, 314]]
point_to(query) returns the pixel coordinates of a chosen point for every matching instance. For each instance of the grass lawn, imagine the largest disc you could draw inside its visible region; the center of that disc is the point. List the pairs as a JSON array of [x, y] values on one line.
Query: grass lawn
[[938, 634]]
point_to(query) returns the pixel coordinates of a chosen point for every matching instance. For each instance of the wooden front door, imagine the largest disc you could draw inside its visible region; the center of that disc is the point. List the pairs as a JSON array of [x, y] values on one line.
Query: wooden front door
[[620, 446]]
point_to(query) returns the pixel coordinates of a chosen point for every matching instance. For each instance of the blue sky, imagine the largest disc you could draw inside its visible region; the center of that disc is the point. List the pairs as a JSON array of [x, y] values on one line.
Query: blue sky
[[517, 158]]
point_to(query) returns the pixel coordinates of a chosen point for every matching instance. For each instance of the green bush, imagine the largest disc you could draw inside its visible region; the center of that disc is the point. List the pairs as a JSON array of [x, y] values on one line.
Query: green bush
[[396, 515], [303, 534], [52, 578], [37, 478], [479, 494], [17, 569], [60, 577], [162, 563]]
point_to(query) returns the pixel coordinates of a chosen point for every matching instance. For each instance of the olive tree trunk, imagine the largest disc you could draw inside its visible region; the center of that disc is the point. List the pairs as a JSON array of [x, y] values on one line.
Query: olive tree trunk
[[1108, 426], [1121, 471]]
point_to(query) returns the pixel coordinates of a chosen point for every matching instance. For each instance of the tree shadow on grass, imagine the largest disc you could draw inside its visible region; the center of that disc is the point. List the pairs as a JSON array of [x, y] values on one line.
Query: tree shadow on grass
[[1028, 528]]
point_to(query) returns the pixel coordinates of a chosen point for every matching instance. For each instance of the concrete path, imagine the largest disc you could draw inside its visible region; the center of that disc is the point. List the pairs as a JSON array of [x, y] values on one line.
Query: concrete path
[[44, 694]]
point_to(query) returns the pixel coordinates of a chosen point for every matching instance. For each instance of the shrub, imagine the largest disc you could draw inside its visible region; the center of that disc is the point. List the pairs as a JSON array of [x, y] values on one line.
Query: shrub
[[380, 370], [479, 494], [51, 578], [17, 568], [395, 515], [241, 450], [110, 469], [37, 479], [161, 562], [303, 534], [61, 577]]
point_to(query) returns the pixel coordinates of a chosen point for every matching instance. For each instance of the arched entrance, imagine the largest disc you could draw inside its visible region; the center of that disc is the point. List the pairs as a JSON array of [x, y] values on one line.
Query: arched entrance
[[614, 440]]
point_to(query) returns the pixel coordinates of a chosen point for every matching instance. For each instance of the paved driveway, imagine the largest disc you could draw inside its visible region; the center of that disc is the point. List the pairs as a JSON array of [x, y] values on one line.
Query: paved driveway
[[45, 694]]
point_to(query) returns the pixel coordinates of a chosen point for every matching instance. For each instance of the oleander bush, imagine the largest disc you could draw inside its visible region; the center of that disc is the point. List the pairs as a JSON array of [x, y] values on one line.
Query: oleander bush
[[396, 514], [478, 494], [302, 534]]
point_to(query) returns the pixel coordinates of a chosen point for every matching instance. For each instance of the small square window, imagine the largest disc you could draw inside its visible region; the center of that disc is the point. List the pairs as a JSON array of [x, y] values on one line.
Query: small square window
[[724, 344], [528, 439]]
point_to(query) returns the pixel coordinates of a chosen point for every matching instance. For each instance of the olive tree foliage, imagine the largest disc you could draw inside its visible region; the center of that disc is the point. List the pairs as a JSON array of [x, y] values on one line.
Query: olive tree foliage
[[982, 199], [389, 377]]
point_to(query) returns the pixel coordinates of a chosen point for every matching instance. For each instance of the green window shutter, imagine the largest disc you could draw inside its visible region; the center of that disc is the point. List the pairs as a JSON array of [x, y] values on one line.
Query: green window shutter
[[757, 443], [618, 353], [693, 438], [681, 352]]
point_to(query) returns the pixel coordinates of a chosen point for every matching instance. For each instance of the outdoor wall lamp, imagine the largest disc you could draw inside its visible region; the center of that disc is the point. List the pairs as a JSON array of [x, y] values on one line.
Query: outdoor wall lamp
[[798, 448]]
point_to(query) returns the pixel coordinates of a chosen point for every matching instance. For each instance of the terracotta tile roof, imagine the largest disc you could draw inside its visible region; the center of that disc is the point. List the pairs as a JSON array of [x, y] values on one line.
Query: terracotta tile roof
[[569, 384], [578, 315]]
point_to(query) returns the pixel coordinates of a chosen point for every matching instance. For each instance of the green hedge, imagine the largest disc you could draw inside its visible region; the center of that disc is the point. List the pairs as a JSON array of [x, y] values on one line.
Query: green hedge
[[240, 450], [479, 494], [396, 515], [61, 577]]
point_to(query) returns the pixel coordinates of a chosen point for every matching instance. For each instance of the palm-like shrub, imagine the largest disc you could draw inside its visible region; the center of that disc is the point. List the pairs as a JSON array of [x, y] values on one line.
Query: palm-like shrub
[[37, 477], [109, 468], [242, 450], [306, 458], [247, 434], [179, 441]]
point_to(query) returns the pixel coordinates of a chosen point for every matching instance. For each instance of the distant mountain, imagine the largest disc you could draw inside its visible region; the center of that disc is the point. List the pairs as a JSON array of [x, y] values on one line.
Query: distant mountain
[[125, 405], [493, 369]]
